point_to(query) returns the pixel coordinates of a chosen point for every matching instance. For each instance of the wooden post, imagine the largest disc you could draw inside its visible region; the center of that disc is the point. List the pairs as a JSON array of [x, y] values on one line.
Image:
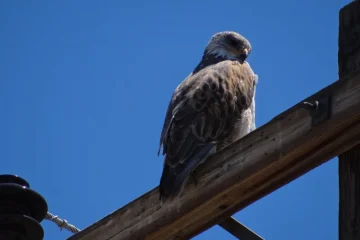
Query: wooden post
[[349, 162]]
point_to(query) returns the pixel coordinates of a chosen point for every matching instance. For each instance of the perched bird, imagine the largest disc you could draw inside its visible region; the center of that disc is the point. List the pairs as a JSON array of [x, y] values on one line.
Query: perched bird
[[213, 107]]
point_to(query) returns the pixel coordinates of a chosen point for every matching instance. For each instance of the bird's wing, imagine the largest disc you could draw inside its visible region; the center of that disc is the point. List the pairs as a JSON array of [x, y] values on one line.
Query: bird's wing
[[202, 109]]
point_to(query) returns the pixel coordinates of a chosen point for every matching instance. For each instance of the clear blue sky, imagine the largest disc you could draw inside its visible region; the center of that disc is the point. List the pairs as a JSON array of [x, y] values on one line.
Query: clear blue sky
[[84, 86]]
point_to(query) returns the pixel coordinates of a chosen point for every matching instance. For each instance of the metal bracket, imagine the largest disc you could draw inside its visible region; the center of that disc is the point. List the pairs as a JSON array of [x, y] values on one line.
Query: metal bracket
[[319, 110]]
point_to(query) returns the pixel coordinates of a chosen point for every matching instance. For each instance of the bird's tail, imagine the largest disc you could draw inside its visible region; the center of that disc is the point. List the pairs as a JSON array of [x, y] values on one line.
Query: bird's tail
[[173, 178]]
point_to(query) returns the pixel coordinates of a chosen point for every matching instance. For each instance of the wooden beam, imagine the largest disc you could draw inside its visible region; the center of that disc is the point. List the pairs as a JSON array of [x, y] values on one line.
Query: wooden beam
[[238, 230], [349, 162], [269, 157]]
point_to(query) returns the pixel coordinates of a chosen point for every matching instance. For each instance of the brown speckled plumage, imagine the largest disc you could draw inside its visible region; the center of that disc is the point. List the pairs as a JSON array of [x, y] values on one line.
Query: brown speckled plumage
[[210, 109]]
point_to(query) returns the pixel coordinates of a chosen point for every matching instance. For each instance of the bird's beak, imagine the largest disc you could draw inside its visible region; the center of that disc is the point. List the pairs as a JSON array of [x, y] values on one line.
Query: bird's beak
[[246, 51], [243, 55]]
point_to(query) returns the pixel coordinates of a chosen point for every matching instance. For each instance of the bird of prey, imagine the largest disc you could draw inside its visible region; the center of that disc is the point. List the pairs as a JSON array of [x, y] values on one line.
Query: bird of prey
[[213, 107]]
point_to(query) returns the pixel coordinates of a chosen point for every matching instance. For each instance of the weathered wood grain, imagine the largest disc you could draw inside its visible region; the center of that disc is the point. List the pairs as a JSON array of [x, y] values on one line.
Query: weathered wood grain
[[349, 161], [261, 162]]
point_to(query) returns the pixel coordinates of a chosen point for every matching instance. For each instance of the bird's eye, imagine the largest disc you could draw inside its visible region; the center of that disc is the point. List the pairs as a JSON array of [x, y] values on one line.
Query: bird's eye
[[233, 41]]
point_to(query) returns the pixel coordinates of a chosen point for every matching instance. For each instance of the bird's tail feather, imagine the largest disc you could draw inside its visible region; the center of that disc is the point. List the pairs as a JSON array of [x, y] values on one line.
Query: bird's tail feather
[[173, 178]]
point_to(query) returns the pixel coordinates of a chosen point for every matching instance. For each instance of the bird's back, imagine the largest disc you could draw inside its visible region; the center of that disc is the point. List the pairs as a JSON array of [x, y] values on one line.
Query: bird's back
[[206, 113]]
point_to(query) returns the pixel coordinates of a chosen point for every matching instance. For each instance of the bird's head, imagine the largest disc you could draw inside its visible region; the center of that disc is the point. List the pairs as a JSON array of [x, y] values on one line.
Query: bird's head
[[229, 45]]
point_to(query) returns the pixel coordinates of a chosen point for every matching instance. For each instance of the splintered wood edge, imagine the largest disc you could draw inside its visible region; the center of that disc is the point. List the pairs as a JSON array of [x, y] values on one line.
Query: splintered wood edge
[[264, 160]]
